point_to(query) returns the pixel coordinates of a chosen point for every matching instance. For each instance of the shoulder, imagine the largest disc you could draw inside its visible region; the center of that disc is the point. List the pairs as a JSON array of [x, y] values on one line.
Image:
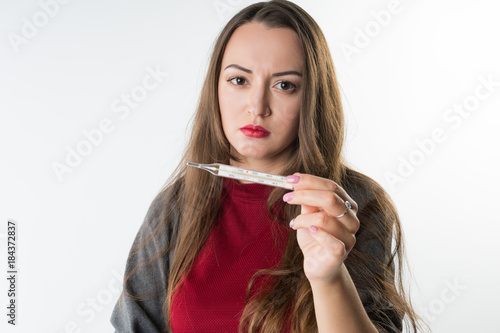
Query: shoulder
[[163, 214], [152, 246], [370, 262], [147, 270], [377, 215], [168, 198]]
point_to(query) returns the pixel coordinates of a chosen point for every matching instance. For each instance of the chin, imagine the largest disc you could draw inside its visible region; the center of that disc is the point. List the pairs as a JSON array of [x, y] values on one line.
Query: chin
[[252, 153]]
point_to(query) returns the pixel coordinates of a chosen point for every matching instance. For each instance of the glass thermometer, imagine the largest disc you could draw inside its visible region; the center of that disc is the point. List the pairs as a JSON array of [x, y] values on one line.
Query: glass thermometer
[[223, 170]]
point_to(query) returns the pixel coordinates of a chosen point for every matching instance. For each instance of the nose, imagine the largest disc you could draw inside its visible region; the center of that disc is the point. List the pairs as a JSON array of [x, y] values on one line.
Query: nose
[[258, 101]]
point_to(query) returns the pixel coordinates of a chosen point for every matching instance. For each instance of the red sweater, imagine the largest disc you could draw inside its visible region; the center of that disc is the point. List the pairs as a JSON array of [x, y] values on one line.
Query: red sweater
[[213, 296]]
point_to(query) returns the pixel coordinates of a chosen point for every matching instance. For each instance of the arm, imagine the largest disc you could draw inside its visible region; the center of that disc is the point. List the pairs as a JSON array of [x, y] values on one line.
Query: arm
[[338, 307], [347, 274]]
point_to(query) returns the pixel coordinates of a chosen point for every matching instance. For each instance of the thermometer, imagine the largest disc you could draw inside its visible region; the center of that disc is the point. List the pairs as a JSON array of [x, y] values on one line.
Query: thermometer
[[223, 170]]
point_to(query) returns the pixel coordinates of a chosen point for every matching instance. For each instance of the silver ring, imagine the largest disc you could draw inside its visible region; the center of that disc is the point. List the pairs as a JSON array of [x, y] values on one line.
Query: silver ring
[[348, 206]]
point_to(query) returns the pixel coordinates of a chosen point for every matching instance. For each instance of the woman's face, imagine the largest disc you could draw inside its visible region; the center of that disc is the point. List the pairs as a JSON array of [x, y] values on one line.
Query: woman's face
[[260, 85]]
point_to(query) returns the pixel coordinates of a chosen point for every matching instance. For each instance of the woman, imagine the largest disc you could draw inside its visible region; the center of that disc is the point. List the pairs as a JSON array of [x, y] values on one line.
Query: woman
[[218, 255]]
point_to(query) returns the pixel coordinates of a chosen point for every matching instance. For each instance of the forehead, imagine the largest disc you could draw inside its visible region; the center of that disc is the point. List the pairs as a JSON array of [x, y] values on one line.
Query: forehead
[[259, 47]]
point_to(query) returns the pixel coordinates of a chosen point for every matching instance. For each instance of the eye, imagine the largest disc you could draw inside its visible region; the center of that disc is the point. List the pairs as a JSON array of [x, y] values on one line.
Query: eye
[[286, 85], [238, 80]]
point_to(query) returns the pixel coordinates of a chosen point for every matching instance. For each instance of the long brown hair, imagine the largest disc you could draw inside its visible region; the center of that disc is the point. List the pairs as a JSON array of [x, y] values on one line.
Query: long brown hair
[[317, 151]]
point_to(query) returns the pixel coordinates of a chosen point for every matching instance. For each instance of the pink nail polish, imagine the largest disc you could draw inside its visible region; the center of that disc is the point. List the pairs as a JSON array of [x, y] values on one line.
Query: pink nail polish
[[313, 229], [288, 196], [291, 223], [292, 179]]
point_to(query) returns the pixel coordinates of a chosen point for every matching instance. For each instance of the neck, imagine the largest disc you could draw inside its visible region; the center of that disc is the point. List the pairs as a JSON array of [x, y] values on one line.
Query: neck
[[273, 167]]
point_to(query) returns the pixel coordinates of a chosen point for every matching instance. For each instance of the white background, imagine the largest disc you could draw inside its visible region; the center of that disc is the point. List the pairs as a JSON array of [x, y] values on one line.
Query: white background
[[74, 234]]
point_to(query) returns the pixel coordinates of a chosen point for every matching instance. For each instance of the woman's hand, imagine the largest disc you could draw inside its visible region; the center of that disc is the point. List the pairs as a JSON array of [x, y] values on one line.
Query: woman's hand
[[325, 240]]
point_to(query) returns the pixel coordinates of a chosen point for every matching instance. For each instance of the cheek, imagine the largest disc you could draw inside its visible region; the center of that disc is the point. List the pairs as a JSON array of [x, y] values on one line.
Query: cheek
[[227, 102], [232, 107], [290, 119], [292, 125], [227, 112], [223, 105]]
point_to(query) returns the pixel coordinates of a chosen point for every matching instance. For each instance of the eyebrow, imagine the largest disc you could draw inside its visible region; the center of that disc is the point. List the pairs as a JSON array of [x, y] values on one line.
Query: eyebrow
[[274, 74]]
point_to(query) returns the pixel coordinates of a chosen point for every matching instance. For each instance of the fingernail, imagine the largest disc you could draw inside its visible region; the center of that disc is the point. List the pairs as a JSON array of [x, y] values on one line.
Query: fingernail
[[292, 179], [313, 229], [288, 196], [291, 223]]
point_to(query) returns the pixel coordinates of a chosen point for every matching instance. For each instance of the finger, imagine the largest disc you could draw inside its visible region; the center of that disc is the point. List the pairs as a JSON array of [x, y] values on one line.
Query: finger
[[305, 209], [311, 182], [333, 245], [329, 201], [328, 224]]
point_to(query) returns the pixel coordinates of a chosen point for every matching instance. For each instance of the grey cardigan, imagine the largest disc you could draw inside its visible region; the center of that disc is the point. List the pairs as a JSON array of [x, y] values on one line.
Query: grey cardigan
[[147, 316]]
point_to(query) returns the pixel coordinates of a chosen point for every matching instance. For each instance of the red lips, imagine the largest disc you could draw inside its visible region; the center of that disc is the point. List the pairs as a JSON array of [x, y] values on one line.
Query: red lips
[[255, 131]]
